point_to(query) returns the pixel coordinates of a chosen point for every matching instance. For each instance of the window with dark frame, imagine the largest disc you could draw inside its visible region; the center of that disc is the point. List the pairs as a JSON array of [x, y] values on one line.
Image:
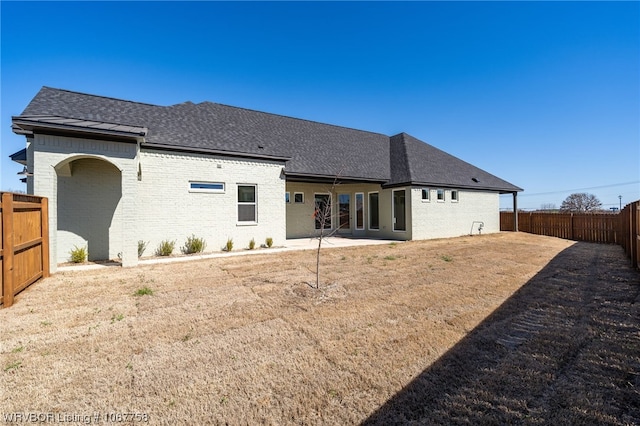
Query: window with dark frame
[[322, 213], [359, 210], [374, 211]]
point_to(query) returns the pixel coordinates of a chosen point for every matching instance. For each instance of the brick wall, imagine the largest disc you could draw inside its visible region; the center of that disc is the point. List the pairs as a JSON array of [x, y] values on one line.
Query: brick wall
[[436, 219], [168, 210]]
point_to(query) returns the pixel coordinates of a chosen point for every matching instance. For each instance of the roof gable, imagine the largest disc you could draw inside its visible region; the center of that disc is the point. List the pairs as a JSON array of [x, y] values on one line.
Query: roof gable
[[419, 163]]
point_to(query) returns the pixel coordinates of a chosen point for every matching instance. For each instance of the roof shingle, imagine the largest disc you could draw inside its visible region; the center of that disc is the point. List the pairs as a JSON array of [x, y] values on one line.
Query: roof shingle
[[311, 148]]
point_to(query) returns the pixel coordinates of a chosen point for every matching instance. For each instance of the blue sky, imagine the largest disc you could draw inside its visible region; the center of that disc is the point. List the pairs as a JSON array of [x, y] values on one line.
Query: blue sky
[[545, 95]]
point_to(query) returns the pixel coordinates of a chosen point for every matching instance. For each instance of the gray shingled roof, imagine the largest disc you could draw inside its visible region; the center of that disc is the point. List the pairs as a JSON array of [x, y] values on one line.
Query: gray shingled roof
[[309, 148], [419, 163]]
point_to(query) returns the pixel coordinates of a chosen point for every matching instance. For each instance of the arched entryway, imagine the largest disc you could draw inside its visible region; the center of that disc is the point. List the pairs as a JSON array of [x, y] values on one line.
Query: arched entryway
[[89, 191]]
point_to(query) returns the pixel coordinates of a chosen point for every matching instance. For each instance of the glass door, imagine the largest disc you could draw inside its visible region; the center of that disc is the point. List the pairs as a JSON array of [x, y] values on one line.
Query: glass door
[[344, 213]]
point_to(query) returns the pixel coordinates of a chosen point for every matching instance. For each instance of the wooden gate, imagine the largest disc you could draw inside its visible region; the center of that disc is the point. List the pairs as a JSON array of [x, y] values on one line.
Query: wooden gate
[[24, 254]]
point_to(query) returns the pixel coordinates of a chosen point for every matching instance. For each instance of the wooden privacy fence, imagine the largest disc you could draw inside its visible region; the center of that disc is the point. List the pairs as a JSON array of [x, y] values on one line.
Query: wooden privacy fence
[[607, 228], [24, 254]]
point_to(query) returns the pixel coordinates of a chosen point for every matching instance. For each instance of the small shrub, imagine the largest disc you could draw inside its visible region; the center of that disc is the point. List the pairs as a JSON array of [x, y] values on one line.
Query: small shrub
[[252, 244], [78, 254], [118, 317], [194, 245], [142, 246], [269, 242], [144, 291], [446, 258], [229, 245], [165, 248]]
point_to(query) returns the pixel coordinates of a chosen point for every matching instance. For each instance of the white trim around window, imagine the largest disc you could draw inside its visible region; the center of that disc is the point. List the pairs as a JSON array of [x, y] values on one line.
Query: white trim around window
[[247, 200], [399, 210], [455, 195], [359, 211], [373, 217], [426, 195], [440, 195], [324, 197], [298, 197], [287, 197], [203, 186]]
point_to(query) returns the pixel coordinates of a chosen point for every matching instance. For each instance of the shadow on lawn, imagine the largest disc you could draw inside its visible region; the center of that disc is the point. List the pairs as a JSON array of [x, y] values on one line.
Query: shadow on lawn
[[564, 349]]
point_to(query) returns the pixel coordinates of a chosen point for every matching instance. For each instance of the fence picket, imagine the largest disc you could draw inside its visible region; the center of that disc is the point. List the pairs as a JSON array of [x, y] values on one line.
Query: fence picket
[[605, 228]]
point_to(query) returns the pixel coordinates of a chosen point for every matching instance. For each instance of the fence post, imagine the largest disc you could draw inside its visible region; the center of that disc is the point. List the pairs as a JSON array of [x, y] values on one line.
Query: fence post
[[515, 212], [635, 207], [44, 230], [7, 249]]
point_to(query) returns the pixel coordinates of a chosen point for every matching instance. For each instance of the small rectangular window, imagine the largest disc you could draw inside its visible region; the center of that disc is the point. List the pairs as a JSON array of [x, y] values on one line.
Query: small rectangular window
[[206, 187], [247, 205], [425, 194], [298, 197], [287, 198], [454, 196], [440, 194]]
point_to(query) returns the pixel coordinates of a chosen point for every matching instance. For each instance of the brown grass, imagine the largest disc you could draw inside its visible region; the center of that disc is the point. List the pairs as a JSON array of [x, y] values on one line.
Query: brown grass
[[430, 332]]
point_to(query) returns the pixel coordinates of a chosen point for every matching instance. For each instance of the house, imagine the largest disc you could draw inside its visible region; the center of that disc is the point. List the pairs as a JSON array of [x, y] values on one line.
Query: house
[[117, 171]]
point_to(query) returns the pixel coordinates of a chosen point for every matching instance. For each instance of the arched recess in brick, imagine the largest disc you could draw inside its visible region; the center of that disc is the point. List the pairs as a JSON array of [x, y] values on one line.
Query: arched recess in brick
[[89, 193]]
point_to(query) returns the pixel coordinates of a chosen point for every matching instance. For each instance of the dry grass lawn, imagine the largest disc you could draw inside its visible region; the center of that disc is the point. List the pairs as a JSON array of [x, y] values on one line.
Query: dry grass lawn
[[503, 328]]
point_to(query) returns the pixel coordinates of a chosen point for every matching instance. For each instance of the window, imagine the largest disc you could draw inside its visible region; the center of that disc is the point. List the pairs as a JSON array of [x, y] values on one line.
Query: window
[[247, 205], [322, 213], [206, 187], [425, 194], [440, 195], [359, 210], [399, 210], [374, 213], [287, 197], [454, 196], [298, 197]]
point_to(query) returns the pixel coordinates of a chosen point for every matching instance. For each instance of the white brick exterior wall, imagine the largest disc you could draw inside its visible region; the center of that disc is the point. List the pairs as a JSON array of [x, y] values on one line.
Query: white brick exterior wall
[[168, 210], [435, 219], [108, 195], [110, 166], [98, 200]]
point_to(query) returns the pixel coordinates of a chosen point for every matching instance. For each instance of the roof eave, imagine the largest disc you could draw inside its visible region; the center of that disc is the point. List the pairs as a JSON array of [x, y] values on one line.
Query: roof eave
[[20, 157], [323, 178], [29, 127], [501, 190]]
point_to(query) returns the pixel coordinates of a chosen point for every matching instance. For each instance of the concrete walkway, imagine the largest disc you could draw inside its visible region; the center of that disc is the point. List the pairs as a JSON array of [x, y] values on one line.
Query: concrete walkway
[[289, 245]]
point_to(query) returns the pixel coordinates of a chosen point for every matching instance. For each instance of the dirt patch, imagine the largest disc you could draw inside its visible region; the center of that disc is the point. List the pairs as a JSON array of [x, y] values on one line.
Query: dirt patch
[[430, 331]]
